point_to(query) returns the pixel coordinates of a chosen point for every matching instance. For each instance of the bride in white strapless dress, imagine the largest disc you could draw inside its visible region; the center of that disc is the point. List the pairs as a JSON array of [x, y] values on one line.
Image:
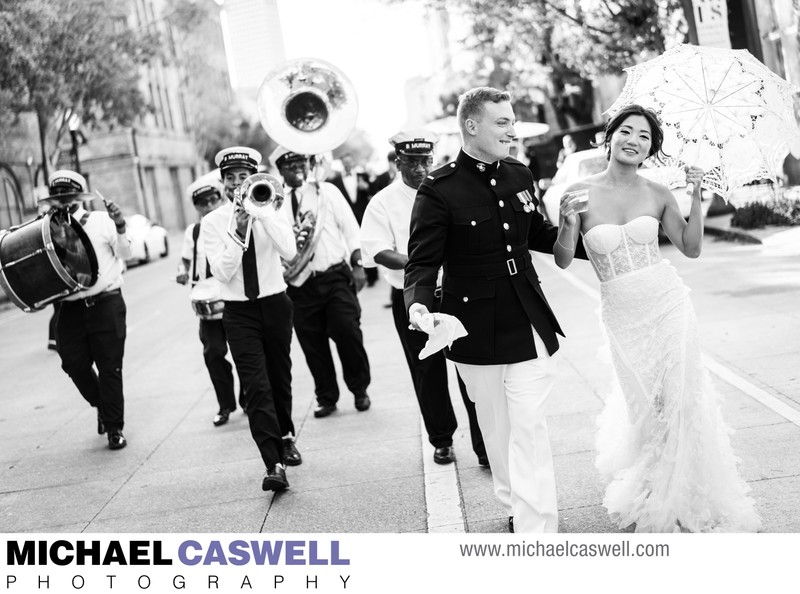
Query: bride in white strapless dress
[[663, 446]]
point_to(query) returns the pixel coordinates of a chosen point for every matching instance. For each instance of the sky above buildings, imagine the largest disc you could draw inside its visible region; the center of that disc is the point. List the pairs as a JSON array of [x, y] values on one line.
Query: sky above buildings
[[378, 45]]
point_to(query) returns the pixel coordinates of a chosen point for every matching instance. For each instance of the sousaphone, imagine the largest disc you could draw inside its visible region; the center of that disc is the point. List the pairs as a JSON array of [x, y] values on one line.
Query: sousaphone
[[309, 107]]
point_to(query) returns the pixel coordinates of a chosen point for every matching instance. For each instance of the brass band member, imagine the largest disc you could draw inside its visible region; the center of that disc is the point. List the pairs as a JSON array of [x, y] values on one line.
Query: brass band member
[[91, 328], [194, 268], [258, 315], [384, 240], [325, 293]]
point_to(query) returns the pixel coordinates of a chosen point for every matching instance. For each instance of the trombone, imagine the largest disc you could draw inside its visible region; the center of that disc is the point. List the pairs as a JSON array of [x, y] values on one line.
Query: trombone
[[257, 193]]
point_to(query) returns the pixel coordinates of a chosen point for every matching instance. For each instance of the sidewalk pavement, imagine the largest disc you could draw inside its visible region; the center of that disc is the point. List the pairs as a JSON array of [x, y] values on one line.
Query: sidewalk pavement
[[785, 240]]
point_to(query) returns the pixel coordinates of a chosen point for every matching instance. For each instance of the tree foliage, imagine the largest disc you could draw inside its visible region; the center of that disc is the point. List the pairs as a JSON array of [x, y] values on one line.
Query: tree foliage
[[64, 57], [548, 51]]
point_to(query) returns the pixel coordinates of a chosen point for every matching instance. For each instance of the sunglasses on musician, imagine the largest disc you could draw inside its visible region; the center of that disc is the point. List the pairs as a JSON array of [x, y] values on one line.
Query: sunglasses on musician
[[207, 200]]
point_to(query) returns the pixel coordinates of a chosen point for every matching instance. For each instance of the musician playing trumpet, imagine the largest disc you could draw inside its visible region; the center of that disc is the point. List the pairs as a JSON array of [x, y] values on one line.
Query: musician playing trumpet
[[258, 314], [324, 287]]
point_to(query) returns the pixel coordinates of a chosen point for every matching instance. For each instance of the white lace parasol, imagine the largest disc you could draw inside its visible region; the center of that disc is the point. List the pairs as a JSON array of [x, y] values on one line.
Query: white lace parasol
[[721, 110]]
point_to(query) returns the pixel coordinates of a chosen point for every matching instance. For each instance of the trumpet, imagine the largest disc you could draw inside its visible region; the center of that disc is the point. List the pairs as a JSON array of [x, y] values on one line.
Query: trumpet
[[257, 193]]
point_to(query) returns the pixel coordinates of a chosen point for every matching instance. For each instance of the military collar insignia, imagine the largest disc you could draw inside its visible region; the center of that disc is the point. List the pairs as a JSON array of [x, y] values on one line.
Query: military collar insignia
[[481, 167], [528, 203]]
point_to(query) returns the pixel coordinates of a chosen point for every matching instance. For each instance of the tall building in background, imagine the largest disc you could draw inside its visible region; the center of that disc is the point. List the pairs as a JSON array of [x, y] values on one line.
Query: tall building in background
[[254, 44], [147, 167]]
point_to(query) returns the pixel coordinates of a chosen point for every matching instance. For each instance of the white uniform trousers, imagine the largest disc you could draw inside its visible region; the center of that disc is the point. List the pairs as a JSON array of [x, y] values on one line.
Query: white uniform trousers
[[510, 402]]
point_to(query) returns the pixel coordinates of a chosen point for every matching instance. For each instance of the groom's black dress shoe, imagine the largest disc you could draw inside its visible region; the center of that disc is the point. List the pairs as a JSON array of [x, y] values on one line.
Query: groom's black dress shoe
[[444, 455], [511, 524]]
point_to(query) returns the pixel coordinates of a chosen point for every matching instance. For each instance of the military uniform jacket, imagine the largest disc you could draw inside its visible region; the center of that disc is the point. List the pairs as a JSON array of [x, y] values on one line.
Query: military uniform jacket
[[478, 221]]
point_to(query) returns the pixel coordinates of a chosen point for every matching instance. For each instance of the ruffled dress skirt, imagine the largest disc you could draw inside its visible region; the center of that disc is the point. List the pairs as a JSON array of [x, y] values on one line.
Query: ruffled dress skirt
[[663, 446]]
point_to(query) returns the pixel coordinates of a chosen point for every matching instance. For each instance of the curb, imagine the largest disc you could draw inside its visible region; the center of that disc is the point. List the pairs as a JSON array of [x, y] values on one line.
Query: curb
[[733, 235]]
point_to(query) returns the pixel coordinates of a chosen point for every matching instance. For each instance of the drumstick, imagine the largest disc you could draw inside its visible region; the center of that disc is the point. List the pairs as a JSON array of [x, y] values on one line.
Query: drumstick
[[105, 202]]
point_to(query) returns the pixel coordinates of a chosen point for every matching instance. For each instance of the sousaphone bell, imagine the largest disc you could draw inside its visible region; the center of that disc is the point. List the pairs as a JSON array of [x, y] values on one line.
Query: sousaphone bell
[[309, 107]]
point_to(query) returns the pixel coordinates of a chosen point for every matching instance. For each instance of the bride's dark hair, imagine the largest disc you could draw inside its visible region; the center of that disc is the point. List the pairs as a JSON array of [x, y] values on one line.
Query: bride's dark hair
[[656, 133]]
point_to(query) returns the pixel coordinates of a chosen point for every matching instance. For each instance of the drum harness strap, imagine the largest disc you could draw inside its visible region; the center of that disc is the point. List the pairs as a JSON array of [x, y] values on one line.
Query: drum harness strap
[[195, 276], [92, 299]]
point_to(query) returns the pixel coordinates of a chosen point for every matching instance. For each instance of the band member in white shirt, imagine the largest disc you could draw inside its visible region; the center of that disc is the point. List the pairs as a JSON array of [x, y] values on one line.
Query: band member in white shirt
[[324, 292], [194, 269], [258, 314], [91, 327], [384, 240]]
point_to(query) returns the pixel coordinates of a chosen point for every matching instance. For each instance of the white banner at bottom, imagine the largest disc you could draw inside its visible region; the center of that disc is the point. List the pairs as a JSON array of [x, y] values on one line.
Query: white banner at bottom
[[377, 563]]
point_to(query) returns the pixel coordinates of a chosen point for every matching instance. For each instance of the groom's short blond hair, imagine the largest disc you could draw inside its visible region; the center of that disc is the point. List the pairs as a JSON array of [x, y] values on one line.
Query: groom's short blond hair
[[470, 104]]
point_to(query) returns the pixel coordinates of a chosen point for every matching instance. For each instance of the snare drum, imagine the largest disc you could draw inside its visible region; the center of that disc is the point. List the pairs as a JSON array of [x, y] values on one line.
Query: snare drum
[[206, 301], [46, 259]]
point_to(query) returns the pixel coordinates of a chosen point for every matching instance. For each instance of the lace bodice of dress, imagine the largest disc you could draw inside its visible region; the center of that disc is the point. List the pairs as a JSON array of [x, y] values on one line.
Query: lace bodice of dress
[[615, 250]]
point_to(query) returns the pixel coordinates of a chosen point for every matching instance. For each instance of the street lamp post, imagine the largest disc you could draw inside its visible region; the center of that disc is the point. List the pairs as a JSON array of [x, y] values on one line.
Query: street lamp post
[[74, 124], [29, 165]]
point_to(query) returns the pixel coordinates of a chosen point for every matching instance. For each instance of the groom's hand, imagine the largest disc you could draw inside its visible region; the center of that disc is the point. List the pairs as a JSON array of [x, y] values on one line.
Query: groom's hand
[[415, 313]]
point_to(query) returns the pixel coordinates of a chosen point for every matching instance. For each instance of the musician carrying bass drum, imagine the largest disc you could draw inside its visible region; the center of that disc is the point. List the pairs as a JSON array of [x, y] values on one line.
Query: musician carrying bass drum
[[91, 326]]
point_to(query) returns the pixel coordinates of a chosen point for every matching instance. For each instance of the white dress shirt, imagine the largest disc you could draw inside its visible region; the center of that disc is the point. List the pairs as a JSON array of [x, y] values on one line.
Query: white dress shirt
[[350, 181], [111, 249], [188, 251], [273, 239], [385, 226], [338, 237]]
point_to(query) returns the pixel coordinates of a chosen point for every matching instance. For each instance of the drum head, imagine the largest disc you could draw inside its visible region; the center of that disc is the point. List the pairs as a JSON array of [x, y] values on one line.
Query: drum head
[[206, 290]]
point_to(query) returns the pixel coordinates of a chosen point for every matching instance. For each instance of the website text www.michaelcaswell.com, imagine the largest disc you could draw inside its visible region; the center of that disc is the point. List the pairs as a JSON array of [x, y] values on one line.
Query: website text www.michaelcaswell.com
[[565, 549]]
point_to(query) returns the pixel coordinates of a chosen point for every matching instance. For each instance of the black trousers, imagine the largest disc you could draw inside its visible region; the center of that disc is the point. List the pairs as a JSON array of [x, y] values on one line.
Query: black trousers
[[430, 384], [326, 307], [215, 347], [94, 335], [260, 336]]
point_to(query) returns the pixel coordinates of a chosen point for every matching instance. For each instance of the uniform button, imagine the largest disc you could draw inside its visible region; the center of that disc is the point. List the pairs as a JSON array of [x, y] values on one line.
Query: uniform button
[[493, 182], [508, 248], [505, 226], [466, 299], [452, 164], [502, 204]]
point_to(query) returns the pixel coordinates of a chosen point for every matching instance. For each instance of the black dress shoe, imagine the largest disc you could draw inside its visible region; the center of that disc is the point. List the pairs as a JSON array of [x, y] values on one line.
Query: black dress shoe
[[101, 427], [275, 479], [511, 524], [323, 410], [444, 455], [116, 441], [221, 417], [362, 402], [483, 460], [291, 456]]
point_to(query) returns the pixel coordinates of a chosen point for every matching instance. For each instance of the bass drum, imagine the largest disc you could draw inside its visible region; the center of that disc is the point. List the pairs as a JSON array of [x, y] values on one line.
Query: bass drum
[[206, 301], [45, 260]]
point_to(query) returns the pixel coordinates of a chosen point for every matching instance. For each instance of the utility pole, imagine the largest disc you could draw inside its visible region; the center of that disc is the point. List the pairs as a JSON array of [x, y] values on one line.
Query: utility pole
[[688, 12]]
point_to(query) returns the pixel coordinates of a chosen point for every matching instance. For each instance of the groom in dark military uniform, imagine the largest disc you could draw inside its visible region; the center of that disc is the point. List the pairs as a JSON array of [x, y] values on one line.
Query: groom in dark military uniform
[[477, 217]]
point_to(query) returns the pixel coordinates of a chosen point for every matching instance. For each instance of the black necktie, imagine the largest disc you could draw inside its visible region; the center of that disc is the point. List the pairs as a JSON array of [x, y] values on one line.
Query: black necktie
[[250, 270], [295, 204]]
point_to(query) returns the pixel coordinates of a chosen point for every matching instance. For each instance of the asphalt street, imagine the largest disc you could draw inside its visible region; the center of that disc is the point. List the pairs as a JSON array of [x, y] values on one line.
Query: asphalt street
[[371, 471]]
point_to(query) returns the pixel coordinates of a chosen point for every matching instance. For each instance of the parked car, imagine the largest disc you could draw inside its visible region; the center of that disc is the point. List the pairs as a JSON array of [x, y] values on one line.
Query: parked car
[[582, 164], [148, 239]]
